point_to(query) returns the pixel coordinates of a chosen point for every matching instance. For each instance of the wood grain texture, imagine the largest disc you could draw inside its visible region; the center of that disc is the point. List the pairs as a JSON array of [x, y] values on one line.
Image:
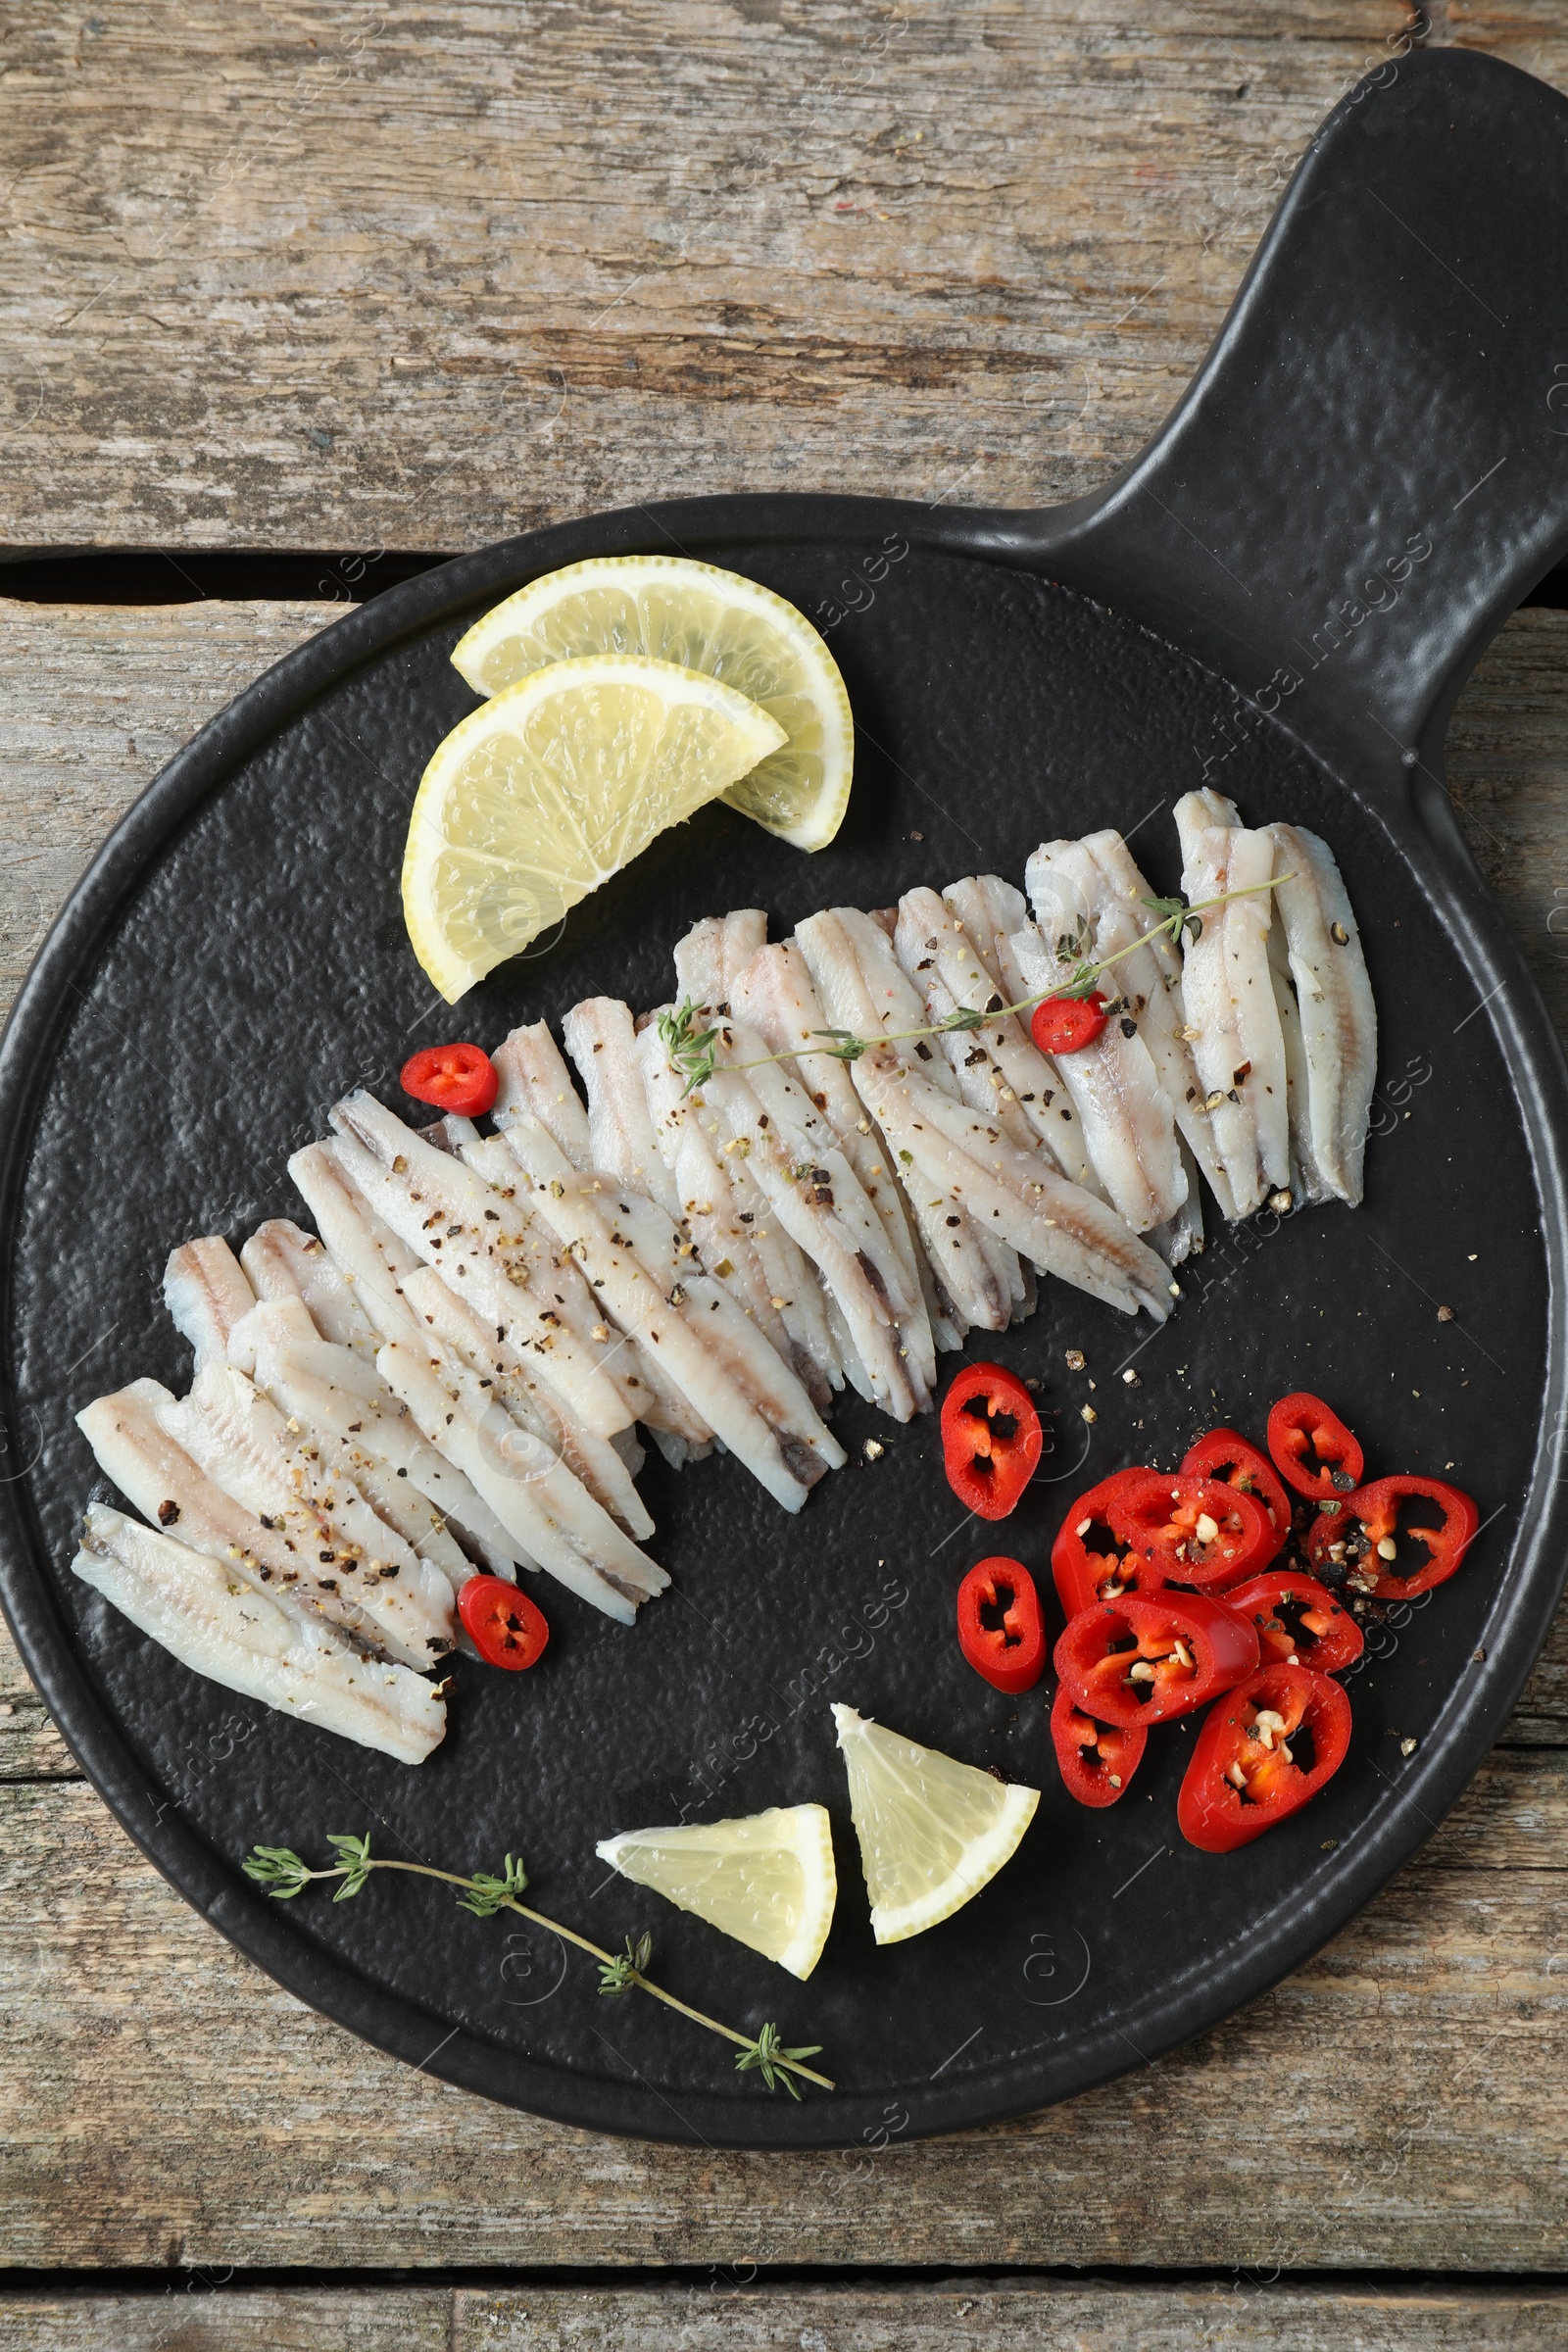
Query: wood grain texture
[[1092, 2316], [166, 2104], [367, 277]]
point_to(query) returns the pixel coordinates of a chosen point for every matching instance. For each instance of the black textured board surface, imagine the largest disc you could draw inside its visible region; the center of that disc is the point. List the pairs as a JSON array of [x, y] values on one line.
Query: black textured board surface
[[261, 968]]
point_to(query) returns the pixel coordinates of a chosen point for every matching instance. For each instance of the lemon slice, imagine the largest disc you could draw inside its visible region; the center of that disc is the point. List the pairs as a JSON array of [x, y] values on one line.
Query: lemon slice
[[932, 1832], [708, 621], [552, 787], [768, 1880]]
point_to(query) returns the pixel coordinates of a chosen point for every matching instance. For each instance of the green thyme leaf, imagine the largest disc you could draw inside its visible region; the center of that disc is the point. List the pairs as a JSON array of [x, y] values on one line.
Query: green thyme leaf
[[279, 1870], [486, 1894], [772, 2059], [353, 1854], [620, 1975]]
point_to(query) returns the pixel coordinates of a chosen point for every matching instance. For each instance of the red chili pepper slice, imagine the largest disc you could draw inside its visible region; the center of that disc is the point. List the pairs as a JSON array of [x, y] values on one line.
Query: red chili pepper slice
[[1148, 1657], [1096, 1759], [506, 1628], [456, 1078], [1244, 1776], [1224, 1453], [1198, 1530], [1066, 1024], [1299, 1622], [991, 1438], [1313, 1449], [1089, 1561], [1366, 1540], [1000, 1630]]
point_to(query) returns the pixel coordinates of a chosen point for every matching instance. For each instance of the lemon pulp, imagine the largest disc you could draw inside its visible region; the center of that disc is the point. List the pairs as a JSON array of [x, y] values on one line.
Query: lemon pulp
[[932, 1832], [555, 785], [768, 1880], [705, 619]]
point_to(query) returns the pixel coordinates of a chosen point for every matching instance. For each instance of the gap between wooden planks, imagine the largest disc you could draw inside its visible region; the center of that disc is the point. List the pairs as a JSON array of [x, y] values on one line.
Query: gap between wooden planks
[[165, 2104], [1243, 2315]]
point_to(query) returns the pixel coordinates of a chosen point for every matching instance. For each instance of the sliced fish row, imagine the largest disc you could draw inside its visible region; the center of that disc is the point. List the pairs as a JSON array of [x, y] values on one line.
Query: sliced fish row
[[449, 1376]]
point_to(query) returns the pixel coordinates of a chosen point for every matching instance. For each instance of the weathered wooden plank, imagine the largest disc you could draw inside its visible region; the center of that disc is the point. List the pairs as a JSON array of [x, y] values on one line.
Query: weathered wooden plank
[[366, 279], [165, 2105], [95, 700], [1247, 2314]]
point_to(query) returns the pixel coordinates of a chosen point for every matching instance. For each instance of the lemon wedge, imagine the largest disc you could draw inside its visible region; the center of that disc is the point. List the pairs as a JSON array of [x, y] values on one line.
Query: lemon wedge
[[705, 619], [554, 786], [932, 1832], [768, 1880]]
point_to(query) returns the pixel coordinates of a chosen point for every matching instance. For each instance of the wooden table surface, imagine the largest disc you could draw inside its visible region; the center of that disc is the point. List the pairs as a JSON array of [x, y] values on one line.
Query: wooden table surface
[[347, 280]]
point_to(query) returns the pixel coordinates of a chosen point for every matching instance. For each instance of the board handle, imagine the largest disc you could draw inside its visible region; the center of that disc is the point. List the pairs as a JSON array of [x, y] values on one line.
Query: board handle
[[1370, 470]]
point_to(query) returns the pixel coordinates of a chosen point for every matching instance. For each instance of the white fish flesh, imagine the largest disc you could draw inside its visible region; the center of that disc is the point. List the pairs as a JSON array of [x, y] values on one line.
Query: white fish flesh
[[1150, 983], [1128, 1119], [335, 1394], [971, 1165], [1000, 1069], [1228, 991], [281, 1262], [366, 1253], [731, 1224], [269, 1344], [991, 912], [480, 1242], [225, 1630], [614, 1063], [861, 990], [793, 1154], [776, 996], [534, 1077], [730, 1376], [713, 952], [529, 1401], [1337, 1019], [706, 962], [535, 1080], [640, 1384], [245, 1446], [529, 1489], [155, 1473], [207, 1294], [601, 1037]]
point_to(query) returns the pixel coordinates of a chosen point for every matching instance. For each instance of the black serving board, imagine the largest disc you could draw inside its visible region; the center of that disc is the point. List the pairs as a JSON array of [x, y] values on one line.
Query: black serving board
[[236, 960]]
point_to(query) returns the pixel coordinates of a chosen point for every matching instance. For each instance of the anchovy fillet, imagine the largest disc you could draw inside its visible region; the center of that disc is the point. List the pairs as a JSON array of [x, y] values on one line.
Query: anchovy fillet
[[862, 991], [282, 1262], [1128, 1119], [245, 1446], [225, 1629], [1227, 991], [529, 1489], [135, 1450], [479, 1243], [1339, 1023], [701, 1337], [206, 1294], [271, 1341]]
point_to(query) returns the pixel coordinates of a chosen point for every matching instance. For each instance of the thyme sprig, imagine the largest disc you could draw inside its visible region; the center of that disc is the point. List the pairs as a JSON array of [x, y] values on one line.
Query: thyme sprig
[[284, 1875], [693, 1051]]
